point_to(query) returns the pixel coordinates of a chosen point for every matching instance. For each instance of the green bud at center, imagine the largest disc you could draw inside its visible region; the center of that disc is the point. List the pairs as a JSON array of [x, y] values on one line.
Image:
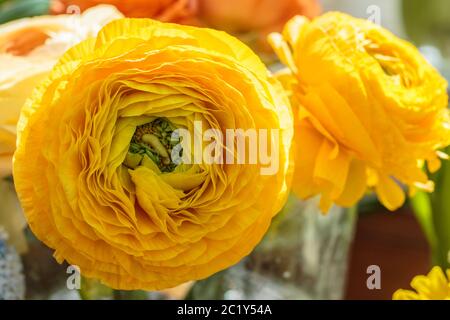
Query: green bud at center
[[153, 141]]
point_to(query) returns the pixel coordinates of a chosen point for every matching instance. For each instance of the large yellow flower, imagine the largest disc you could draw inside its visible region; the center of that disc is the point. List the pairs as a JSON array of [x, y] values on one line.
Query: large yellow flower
[[369, 110], [434, 286], [29, 48], [93, 168]]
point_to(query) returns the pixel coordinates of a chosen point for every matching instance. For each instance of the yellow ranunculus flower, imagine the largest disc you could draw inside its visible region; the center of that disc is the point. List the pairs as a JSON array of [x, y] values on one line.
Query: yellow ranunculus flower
[[29, 48], [93, 168], [434, 286], [369, 110]]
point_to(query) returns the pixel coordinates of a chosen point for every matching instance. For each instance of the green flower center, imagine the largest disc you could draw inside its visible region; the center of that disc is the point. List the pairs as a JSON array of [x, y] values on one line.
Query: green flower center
[[153, 141]]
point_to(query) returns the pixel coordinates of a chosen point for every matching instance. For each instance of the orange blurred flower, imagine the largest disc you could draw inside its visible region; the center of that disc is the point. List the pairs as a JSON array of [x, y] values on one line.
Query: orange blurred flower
[[246, 15], [29, 48], [164, 10]]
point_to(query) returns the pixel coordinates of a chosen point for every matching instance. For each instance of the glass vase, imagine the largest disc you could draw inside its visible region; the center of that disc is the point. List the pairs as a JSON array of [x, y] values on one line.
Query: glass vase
[[304, 255]]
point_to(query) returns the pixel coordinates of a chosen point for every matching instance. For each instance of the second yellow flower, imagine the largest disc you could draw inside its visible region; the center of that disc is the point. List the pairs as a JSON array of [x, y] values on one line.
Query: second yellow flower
[[370, 110]]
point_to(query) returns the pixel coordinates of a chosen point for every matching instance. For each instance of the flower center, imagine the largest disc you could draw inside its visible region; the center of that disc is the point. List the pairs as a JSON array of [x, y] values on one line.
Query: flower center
[[153, 142]]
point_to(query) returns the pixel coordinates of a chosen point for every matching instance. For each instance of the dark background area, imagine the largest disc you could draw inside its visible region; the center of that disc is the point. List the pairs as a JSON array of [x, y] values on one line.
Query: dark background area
[[394, 242]]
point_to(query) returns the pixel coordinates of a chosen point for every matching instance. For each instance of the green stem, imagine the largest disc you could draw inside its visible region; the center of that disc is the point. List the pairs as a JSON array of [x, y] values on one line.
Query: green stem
[[441, 215], [433, 214], [422, 208]]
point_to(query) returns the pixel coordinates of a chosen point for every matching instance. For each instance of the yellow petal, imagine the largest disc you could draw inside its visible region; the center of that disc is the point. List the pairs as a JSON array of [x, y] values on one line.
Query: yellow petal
[[390, 193]]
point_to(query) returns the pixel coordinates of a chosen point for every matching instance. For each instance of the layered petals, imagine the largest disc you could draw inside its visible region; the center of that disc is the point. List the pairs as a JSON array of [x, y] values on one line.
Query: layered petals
[[92, 170], [434, 286], [370, 110]]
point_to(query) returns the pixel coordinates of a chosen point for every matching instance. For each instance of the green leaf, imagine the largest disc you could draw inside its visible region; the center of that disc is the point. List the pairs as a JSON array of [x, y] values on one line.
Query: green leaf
[[440, 201], [16, 9], [94, 290], [433, 213], [423, 211], [130, 295]]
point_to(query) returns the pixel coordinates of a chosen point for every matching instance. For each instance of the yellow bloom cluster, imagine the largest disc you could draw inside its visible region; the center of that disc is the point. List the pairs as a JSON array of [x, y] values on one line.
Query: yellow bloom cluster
[[369, 110], [95, 192], [94, 166], [434, 286]]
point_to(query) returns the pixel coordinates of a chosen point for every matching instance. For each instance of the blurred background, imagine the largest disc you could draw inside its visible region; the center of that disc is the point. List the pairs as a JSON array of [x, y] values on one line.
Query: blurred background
[[394, 241]]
